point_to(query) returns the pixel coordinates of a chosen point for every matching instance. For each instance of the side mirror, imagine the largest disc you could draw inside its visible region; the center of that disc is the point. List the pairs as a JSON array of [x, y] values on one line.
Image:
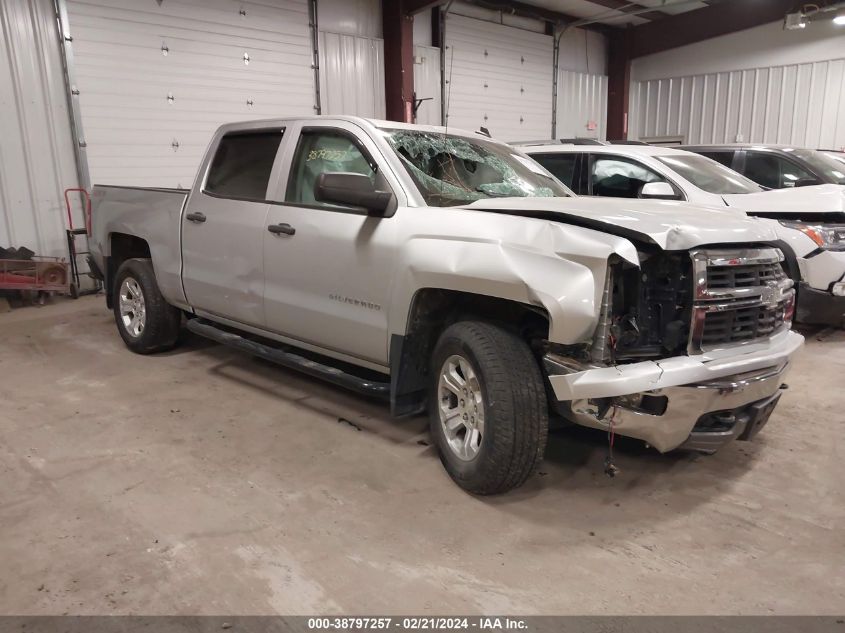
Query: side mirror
[[658, 190], [806, 182], [356, 190]]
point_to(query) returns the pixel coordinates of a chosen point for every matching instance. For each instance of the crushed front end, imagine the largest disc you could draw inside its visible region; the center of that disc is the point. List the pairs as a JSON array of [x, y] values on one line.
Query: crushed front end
[[690, 351]]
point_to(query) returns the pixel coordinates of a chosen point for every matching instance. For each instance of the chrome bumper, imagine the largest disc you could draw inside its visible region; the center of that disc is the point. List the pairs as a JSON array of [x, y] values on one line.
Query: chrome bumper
[[669, 421]]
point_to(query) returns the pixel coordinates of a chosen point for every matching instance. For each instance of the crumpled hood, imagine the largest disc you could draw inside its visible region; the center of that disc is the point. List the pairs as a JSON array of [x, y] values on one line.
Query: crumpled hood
[[816, 198], [669, 224]]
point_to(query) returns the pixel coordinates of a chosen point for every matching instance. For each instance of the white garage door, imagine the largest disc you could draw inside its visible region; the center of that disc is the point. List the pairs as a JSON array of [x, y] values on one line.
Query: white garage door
[[501, 78], [155, 78]]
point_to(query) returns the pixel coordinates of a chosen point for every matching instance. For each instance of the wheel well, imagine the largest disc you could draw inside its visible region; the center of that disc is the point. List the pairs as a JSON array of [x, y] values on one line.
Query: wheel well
[[123, 247], [432, 311]]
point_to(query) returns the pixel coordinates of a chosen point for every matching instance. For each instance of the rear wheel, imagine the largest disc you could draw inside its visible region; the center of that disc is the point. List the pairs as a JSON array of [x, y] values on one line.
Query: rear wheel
[[488, 411], [146, 322]]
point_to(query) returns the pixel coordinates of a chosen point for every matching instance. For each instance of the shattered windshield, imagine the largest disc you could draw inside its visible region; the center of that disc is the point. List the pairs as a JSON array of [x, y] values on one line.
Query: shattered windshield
[[455, 170]]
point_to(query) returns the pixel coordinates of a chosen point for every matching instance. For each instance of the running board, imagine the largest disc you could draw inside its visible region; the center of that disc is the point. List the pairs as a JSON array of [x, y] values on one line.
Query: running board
[[290, 360]]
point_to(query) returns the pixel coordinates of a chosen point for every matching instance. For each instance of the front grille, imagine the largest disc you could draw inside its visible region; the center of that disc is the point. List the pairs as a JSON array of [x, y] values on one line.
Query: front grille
[[740, 296], [742, 324], [742, 276]]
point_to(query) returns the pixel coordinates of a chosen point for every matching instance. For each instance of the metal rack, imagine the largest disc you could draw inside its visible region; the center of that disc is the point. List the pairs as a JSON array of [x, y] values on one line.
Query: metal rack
[[39, 273]]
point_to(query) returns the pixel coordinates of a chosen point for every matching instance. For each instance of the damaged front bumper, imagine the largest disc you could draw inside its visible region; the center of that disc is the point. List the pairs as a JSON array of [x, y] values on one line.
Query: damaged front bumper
[[698, 402]]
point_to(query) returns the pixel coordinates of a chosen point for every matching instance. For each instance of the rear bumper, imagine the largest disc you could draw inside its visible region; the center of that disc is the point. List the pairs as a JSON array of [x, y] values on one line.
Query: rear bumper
[[662, 402], [818, 307]]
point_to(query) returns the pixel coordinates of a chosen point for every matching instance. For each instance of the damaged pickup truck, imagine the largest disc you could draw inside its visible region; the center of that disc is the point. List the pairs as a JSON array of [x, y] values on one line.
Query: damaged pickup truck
[[448, 272]]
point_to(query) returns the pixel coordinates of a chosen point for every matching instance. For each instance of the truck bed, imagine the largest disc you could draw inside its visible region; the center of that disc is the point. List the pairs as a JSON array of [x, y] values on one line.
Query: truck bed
[[152, 214]]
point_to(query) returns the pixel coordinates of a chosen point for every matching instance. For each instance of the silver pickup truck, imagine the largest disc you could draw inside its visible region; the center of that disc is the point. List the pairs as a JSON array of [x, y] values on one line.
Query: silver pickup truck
[[448, 272]]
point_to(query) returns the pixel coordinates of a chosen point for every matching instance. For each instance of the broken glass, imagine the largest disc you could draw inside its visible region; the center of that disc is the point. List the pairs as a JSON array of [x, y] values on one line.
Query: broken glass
[[452, 170]]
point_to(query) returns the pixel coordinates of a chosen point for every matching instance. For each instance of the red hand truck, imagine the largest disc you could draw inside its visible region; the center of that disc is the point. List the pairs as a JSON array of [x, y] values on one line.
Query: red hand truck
[[72, 234]]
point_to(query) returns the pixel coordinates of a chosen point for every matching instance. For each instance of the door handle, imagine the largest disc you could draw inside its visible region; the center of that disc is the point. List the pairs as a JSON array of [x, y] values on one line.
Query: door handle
[[196, 217], [285, 229]]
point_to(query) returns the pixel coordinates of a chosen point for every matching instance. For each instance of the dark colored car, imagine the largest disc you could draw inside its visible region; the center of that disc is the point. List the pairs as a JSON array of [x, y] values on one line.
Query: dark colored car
[[836, 154], [777, 166]]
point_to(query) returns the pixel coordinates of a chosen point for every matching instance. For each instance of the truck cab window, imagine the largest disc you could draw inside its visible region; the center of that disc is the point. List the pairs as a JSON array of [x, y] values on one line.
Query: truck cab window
[[242, 165], [617, 177], [319, 153]]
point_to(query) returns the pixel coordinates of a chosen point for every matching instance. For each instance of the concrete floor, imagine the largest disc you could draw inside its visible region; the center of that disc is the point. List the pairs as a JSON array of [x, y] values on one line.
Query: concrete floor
[[206, 482]]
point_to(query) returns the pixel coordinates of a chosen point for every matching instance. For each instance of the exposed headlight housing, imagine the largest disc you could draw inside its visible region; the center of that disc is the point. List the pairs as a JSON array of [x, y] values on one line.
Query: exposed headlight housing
[[827, 237]]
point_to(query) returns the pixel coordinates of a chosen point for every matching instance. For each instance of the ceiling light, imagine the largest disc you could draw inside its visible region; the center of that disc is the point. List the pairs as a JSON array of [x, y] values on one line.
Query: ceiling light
[[839, 19]]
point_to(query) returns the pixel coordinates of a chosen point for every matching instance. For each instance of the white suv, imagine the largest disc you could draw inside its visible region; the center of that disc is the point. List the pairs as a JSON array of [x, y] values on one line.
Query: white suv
[[809, 221]]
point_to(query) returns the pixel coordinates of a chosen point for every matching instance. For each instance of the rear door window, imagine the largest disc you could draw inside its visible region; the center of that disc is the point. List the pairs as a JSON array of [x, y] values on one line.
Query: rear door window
[[562, 166], [242, 164]]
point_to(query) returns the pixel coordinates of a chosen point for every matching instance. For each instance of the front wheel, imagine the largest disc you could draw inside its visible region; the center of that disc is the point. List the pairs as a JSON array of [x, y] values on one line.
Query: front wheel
[[488, 412], [146, 322]]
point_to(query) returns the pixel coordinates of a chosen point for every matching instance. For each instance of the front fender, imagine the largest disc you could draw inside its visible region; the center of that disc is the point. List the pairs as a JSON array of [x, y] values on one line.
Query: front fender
[[556, 267]]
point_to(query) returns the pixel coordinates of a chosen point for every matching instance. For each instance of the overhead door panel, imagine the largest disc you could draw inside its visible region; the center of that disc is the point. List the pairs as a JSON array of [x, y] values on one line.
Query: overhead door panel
[[499, 77], [427, 84], [351, 75], [156, 78]]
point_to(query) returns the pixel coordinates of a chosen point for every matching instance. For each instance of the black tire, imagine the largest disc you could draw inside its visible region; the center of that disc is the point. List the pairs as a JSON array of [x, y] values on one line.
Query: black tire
[[516, 419], [161, 320]]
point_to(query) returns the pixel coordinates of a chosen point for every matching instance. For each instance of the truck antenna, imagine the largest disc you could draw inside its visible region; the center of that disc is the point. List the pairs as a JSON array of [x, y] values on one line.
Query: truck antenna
[[446, 122]]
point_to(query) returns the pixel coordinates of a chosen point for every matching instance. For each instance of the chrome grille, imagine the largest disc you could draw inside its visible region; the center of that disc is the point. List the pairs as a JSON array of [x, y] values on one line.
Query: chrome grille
[[743, 276], [740, 296]]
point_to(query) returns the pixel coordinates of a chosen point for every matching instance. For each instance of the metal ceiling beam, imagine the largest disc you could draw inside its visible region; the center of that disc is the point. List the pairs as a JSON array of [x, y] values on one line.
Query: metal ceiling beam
[[523, 9], [412, 7], [626, 7], [703, 24]]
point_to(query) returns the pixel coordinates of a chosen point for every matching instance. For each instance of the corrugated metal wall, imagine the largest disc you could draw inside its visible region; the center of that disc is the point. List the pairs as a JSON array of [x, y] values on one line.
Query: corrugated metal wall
[[36, 151], [500, 77], [801, 104], [581, 105], [156, 79], [352, 75]]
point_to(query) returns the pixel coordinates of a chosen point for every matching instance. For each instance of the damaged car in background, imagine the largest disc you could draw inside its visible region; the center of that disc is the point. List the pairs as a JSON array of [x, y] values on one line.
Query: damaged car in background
[[809, 221], [449, 273]]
